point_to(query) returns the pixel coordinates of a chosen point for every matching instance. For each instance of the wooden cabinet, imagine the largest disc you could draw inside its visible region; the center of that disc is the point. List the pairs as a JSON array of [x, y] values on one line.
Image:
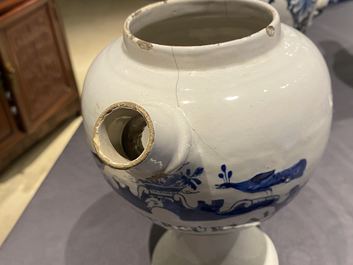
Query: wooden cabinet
[[8, 129], [38, 86]]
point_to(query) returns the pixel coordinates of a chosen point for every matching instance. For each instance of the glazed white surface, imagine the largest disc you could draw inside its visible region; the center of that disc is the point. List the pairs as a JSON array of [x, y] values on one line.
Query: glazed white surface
[[252, 110], [250, 246]]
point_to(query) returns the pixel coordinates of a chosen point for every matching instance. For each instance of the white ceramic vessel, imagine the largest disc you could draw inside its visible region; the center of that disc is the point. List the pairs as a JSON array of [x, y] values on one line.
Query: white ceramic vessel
[[208, 116]]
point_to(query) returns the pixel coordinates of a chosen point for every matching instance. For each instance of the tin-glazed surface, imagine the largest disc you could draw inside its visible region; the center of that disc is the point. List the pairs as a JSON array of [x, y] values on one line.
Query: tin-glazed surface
[[234, 128]]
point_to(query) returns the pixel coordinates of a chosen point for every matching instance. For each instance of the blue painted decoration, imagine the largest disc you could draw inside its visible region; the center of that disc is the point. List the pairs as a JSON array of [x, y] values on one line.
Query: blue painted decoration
[[301, 11], [337, 1], [202, 211], [263, 181], [176, 183], [171, 192]]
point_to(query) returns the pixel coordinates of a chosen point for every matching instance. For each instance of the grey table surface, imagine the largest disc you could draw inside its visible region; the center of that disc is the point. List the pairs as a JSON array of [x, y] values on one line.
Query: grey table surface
[[75, 218]]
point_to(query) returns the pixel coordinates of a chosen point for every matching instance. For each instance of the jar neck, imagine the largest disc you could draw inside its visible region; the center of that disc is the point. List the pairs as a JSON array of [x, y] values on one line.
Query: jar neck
[[234, 31]]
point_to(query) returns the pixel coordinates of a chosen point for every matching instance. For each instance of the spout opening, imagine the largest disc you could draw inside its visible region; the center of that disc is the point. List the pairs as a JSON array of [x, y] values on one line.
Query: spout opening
[[123, 135]]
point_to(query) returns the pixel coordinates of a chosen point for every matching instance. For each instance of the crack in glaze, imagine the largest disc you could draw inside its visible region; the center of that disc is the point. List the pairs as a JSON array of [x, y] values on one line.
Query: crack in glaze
[[178, 72]]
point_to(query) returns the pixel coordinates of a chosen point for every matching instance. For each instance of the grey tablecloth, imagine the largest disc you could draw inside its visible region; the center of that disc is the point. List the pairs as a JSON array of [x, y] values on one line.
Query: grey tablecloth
[[75, 218]]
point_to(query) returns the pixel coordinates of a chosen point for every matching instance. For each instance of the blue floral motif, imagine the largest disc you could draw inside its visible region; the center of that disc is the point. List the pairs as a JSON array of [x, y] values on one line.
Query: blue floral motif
[[225, 175], [203, 211], [266, 180], [189, 178], [175, 183], [171, 193]]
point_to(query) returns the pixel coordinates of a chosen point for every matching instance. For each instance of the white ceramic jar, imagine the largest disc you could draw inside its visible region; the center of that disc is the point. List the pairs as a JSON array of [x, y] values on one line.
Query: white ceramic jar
[[208, 115]]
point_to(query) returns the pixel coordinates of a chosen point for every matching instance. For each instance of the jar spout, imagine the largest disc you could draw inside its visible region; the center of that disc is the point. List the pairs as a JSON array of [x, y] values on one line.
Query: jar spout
[[149, 141]]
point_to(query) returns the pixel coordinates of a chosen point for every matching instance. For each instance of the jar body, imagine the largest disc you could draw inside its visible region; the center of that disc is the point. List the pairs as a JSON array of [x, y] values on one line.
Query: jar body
[[258, 126]]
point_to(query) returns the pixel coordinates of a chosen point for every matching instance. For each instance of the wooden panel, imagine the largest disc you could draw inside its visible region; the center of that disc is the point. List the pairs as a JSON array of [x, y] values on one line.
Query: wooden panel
[[5, 126], [37, 74], [6, 5], [8, 129], [41, 82], [20, 142]]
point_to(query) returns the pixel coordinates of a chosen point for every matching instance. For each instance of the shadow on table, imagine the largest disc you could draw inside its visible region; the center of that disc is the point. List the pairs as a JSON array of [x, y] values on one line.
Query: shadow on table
[[109, 232], [343, 64], [156, 233], [340, 61]]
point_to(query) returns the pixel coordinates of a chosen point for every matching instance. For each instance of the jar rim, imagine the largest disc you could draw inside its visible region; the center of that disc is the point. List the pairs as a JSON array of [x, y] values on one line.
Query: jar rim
[[269, 30]]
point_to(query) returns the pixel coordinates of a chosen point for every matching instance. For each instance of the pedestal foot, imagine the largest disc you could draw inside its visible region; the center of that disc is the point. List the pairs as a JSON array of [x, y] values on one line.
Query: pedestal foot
[[246, 246]]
